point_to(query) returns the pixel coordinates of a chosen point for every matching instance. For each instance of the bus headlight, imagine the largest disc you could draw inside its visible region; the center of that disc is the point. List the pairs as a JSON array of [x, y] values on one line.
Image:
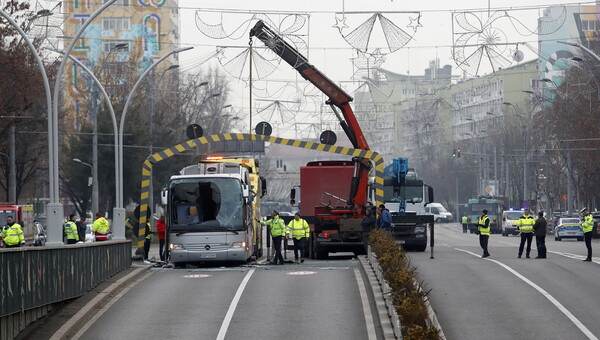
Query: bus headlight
[[239, 244], [419, 229], [176, 246]]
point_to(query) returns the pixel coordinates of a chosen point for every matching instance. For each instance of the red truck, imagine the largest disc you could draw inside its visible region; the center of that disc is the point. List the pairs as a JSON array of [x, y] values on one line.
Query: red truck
[[333, 193]]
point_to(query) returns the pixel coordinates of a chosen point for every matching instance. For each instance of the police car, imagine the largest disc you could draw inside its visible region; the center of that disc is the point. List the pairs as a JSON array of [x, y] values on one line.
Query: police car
[[568, 227]]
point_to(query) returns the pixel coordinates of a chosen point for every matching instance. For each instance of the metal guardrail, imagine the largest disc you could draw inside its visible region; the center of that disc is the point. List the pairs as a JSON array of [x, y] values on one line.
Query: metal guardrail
[[32, 277]]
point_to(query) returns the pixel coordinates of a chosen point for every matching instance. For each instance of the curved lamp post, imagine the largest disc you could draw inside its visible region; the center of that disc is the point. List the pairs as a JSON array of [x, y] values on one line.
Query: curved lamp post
[[112, 115], [119, 211]]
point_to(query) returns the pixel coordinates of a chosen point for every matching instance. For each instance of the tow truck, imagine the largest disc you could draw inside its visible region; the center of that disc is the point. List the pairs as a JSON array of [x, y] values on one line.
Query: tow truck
[[334, 193]]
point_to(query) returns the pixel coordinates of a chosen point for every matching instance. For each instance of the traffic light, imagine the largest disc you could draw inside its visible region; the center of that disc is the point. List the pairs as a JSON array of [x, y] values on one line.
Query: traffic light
[[453, 153], [458, 152]]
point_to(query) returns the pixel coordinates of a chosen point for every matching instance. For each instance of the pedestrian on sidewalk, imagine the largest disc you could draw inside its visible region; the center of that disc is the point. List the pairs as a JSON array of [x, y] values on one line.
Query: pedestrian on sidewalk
[[300, 232], [587, 225], [483, 226], [147, 240], [539, 228], [81, 229], [525, 227], [71, 230], [100, 228]]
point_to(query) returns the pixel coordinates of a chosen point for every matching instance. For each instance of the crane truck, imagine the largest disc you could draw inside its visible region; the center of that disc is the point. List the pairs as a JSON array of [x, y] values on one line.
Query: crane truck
[[334, 193]]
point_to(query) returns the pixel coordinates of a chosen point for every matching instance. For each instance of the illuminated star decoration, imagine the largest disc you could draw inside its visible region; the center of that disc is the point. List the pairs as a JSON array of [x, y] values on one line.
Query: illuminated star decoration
[[415, 23], [379, 58], [340, 23]]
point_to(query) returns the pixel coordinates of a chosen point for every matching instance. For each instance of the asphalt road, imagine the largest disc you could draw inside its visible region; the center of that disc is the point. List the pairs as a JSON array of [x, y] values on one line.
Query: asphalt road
[[503, 297], [313, 300]]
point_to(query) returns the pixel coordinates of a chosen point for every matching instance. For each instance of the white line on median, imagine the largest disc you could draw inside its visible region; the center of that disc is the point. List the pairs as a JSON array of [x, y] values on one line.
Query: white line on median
[[366, 306], [547, 295], [233, 305]]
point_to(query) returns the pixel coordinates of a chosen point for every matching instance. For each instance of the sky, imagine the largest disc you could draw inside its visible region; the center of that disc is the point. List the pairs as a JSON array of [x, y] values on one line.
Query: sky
[[431, 25]]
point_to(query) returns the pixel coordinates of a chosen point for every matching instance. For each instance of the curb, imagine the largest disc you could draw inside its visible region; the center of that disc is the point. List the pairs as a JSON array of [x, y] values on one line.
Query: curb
[[92, 307], [380, 303], [432, 318]]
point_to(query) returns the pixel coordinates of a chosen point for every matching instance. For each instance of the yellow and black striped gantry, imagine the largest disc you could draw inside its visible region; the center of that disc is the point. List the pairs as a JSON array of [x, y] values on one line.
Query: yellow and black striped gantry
[[193, 143]]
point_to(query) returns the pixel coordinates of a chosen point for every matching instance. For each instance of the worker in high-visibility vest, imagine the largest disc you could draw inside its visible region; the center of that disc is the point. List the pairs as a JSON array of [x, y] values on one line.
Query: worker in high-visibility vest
[[147, 240], [526, 231], [277, 226], [483, 226], [300, 232], [12, 234], [101, 227], [587, 225], [465, 223], [71, 230]]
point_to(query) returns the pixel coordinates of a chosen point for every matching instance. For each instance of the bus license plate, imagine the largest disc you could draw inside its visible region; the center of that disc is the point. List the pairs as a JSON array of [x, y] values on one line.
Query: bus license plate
[[208, 256]]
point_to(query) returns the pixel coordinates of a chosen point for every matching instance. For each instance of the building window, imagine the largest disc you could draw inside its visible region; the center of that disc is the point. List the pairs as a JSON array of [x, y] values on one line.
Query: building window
[[108, 45], [115, 24], [119, 3]]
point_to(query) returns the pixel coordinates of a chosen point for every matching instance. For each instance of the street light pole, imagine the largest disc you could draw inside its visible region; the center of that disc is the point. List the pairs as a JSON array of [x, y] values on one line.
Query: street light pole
[[77, 160], [119, 211]]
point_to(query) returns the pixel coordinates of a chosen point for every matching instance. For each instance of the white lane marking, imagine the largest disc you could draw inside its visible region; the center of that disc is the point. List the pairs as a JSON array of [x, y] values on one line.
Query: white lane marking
[[366, 306], [547, 295], [301, 273], [103, 310], [233, 305], [573, 256]]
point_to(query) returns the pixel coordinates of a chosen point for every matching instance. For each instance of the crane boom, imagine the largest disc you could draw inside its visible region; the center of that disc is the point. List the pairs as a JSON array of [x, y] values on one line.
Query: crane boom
[[337, 96]]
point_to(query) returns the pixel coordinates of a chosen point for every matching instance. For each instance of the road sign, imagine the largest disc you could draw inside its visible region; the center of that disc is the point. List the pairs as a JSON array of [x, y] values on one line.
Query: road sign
[[194, 131], [263, 128]]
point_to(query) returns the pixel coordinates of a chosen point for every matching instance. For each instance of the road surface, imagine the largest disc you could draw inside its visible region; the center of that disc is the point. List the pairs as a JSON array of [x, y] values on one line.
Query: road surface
[[504, 297]]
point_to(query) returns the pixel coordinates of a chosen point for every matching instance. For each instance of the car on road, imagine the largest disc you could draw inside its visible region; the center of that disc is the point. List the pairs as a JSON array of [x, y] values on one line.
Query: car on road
[[595, 231], [510, 221], [568, 227]]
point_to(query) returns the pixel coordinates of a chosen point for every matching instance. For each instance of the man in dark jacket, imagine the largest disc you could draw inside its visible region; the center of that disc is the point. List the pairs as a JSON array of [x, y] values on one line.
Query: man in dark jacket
[[539, 228]]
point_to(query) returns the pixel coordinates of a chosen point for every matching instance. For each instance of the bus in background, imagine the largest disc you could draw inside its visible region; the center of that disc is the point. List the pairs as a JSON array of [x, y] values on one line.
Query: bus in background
[[494, 207]]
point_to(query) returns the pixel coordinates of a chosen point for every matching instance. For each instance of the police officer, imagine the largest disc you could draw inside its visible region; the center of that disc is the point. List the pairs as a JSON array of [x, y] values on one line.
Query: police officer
[[300, 232], [540, 235], [465, 223], [147, 240], [71, 230], [277, 232], [12, 234], [483, 226], [587, 224], [525, 226], [100, 227]]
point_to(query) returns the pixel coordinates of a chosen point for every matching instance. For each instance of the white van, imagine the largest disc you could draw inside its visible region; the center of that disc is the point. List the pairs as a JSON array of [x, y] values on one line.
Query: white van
[[440, 214]]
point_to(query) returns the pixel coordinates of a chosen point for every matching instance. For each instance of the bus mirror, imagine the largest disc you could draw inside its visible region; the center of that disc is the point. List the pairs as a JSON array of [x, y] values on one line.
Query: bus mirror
[[293, 196], [245, 191], [429, 194], [164, 195], [263, 186]]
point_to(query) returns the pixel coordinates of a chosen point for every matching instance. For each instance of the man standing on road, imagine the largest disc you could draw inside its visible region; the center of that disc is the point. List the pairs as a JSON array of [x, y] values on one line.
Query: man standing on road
[[385, 218], [483, 226], [465, 223], [12, 234], [300, 232], [160, 229], [71, 230], [587, 224], [525, 226], [101, 227], [539, 228], [277, 232]]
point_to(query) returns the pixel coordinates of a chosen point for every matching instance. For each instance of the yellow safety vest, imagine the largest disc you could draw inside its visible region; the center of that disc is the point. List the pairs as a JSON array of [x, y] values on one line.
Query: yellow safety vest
[[526, 223], [299, 229], [588, 223], [465, 220], [13, 235], [100, 228], [481, 226], [71, 231], [277, 226]]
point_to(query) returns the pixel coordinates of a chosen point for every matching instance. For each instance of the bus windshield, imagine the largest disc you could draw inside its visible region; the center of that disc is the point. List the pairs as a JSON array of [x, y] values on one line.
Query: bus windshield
[[206, 204], [409, 193]]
